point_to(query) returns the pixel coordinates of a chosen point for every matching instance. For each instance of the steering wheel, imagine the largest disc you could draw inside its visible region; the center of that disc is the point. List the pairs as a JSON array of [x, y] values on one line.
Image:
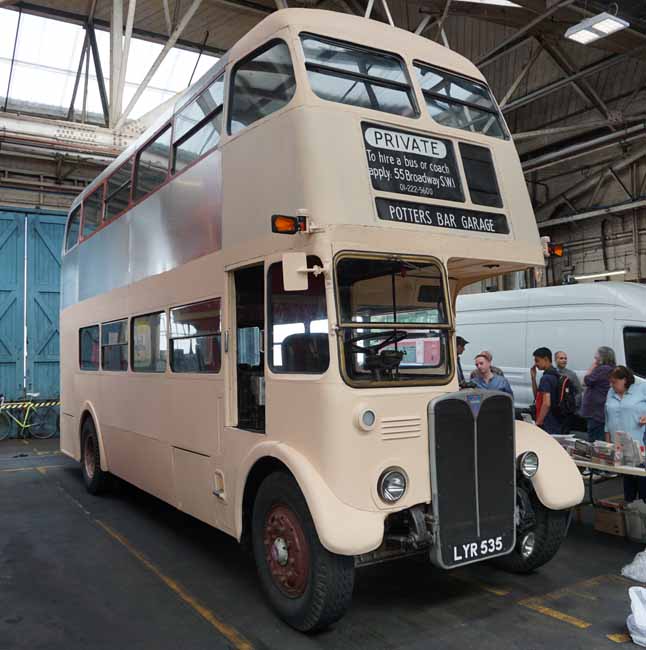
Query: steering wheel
[[388, 338]]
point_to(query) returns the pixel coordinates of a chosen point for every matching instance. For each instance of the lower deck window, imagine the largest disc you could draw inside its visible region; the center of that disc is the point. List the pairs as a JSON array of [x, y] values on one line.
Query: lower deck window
[[89, 348], [114, 346], [149, 343], [195, 337]]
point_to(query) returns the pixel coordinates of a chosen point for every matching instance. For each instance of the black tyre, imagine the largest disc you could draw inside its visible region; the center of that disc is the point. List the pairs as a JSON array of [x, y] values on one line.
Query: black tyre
[[96, 480], [44, 422], [549, 531], [308, 587]]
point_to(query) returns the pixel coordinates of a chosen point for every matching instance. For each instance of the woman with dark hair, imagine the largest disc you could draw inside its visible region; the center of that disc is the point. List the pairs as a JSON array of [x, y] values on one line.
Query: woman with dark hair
[[626, 411], [596, 391]]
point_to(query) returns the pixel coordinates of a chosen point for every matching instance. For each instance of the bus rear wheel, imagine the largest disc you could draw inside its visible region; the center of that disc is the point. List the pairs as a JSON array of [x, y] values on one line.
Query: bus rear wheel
[[306, 585], [95, 479]]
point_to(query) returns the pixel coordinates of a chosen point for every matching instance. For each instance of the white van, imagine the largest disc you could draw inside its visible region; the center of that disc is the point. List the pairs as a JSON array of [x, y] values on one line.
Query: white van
[[575, 318]]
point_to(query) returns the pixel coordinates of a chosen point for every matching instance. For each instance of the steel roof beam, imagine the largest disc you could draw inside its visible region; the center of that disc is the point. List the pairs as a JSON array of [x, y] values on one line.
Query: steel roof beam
[[590, 214], [512, 40]]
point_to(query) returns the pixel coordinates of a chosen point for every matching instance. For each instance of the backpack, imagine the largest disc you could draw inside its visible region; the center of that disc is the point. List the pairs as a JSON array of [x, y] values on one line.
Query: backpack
[[566, 398]]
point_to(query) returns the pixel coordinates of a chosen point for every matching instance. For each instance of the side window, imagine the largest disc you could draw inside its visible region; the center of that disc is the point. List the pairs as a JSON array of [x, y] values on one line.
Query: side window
[[149, 343], [198, 126], [117, 194], [195, 337], [298, 330], [261, 85], [89, 348], [459, 102], [92, 208], [481, 175], [152, 164], [73, 226], [114, 345], [635, 348]]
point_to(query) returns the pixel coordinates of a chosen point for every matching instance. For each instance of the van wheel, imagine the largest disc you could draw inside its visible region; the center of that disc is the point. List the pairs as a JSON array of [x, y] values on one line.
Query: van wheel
[[95, 479], [548, 533], [307, 586]]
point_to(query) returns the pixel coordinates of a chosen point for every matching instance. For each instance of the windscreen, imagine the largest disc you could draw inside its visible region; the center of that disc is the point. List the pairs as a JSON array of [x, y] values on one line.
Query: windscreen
[[350, 74], [393, 320], [459, 102]]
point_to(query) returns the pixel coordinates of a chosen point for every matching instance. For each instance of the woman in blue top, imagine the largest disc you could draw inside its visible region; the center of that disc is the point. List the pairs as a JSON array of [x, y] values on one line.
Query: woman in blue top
[[626, 411]]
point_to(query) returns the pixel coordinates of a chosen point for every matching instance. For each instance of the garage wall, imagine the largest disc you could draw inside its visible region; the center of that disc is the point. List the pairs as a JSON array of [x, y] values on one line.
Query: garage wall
[[30, 250]]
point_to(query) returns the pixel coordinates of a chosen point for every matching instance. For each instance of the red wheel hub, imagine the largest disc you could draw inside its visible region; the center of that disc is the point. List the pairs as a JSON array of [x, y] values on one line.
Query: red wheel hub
[[286, 551], [89, 456]]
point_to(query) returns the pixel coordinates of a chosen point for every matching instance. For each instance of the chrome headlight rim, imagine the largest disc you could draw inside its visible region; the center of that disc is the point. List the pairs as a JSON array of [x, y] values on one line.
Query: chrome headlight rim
[[389, 473], [528, 464]]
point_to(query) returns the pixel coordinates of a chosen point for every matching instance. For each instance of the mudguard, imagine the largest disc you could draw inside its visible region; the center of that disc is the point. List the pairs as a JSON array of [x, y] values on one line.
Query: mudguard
[[87, 406], [341, 528], [557, 483]]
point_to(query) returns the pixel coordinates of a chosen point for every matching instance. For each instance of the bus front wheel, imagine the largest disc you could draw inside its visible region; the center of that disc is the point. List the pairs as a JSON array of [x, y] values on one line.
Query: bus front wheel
[[95, 479], [308, 587]]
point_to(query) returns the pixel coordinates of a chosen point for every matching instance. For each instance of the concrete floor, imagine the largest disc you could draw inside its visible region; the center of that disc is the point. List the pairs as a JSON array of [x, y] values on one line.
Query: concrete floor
[[129, 572]]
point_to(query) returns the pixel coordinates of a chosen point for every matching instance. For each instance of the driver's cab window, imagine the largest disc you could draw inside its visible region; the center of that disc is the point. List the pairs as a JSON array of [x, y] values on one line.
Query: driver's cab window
[[298, 330], [394, 320]]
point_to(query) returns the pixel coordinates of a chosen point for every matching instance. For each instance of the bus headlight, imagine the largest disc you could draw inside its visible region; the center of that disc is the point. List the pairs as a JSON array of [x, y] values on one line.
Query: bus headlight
[[392, 484], [528, 464]]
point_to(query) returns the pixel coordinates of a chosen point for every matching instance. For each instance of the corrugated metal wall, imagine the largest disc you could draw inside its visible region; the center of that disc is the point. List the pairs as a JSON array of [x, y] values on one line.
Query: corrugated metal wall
[[29, 301]]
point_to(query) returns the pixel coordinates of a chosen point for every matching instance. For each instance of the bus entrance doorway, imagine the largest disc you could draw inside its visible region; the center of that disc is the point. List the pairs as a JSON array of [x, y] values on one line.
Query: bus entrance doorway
[[250, 361]]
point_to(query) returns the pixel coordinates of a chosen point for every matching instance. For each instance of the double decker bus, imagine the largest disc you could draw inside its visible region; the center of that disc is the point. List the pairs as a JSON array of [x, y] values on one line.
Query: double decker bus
[[258, 308]]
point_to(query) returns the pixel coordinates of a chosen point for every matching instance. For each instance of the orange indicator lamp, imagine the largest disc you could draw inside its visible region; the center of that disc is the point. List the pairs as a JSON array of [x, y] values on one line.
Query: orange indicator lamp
[[288, 225]]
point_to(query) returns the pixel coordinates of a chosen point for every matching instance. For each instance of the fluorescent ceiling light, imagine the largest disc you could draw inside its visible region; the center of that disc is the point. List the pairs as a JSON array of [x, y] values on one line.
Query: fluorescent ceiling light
[[496, 3], [595, 27], [594, 276]]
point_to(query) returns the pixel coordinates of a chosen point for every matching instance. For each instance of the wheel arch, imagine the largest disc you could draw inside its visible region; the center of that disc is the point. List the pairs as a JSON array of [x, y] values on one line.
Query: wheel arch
[[88, 412], [557, 483], [362, 531]]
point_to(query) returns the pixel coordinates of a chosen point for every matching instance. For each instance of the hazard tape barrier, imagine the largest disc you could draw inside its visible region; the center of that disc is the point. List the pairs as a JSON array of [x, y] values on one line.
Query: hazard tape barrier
[[23, 405]]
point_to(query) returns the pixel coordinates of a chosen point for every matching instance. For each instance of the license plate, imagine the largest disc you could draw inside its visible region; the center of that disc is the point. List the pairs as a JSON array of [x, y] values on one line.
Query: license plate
[[476, 550]]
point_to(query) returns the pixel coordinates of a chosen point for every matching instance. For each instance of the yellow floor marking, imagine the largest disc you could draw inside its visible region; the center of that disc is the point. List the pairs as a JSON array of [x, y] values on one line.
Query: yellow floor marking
[[535, 605], [31, 467], [619, 638], [491, 589], [25, 442], [238, 641]]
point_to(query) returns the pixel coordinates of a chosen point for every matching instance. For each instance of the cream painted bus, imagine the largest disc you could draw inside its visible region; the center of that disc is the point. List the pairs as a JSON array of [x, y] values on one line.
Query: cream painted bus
[[258, 313]]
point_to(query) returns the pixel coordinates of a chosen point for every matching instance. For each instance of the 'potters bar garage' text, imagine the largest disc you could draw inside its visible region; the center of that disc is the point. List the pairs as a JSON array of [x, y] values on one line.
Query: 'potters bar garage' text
[[441, 217]]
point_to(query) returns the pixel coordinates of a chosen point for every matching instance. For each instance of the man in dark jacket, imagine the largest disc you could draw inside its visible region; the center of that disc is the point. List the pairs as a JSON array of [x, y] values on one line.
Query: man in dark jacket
[[597, 385], [546, 392]]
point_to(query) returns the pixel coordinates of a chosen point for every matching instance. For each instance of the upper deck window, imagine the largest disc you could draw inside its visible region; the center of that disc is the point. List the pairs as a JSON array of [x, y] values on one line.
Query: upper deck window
[[118, 191], [73, 228], [459, 102], [198, 126], [350, 74], [92, 209], [152, 164], [262, 84], [481, 175]]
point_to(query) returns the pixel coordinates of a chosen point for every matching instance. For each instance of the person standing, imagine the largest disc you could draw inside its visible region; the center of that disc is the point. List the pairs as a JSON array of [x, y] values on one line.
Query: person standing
[[569, 421], [460, 344], [597, 385], [625, 410], [546, 392], [486, 378]]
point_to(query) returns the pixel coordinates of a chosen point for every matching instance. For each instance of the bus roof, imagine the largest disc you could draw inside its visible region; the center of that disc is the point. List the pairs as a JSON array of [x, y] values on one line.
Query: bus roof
[[354, 29]]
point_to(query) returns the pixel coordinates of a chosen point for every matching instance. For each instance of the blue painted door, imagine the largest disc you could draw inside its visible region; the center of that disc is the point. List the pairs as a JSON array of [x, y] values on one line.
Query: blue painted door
[[44, 242], [12, 278]]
